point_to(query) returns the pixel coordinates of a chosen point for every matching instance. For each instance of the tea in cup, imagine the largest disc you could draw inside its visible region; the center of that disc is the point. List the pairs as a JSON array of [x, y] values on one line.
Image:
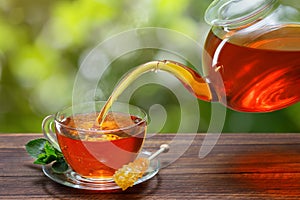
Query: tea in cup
[[95, 152]]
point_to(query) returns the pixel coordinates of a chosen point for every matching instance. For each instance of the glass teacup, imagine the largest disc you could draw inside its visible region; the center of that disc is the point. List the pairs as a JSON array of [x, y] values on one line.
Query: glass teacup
[[91, 151]]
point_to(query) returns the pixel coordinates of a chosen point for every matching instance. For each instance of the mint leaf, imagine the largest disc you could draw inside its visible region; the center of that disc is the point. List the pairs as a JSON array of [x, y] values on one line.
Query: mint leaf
[[49, 149], [60, 166], [44, 159], [45, 153], [36, 147]]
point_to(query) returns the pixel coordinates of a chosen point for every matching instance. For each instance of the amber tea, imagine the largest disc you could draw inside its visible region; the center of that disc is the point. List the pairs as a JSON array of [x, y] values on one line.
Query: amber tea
[[259, 74], [92, 151], [254, 73], [95, 154]]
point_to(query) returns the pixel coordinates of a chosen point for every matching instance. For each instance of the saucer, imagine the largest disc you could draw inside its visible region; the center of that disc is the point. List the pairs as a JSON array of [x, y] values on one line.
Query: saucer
[[68, 179]]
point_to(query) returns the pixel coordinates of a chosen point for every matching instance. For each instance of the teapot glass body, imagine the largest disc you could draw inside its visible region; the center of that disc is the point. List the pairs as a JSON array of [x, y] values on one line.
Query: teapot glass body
[[252, 54]]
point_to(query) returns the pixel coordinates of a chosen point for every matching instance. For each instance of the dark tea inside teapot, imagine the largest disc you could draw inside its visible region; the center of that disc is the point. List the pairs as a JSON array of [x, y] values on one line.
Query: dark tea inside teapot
[[255, 47]]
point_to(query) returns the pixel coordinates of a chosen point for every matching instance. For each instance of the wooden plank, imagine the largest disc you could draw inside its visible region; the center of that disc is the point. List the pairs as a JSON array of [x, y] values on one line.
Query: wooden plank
[[241, 166]]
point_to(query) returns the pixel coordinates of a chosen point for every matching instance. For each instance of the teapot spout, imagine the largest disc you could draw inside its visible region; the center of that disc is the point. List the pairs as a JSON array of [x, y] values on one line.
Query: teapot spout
[[191, 80]]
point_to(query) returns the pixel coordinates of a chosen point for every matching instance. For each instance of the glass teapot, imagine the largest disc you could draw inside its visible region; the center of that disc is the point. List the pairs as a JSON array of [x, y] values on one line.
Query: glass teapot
[[251, 61], [255, 46]]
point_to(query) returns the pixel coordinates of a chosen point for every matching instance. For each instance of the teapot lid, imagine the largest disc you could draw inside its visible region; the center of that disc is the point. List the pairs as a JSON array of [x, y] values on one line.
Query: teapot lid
[[235, 13]]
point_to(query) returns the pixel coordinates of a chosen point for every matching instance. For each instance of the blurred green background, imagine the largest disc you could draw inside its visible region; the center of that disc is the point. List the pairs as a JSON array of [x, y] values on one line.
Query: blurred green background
[[42, 43]]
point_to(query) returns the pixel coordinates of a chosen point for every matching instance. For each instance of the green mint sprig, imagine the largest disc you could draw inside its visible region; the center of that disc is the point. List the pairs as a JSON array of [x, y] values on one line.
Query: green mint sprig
[[45, 153]]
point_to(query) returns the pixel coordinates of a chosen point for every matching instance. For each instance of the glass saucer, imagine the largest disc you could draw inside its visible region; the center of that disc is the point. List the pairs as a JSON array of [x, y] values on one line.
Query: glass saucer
[[69, 178]]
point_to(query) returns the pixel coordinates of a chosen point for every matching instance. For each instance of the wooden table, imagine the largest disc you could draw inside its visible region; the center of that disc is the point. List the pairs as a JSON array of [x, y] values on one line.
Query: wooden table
[[241, 166]]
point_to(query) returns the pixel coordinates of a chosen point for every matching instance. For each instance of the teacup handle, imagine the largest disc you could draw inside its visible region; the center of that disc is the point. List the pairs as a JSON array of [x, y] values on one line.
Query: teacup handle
[[47, 126]]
